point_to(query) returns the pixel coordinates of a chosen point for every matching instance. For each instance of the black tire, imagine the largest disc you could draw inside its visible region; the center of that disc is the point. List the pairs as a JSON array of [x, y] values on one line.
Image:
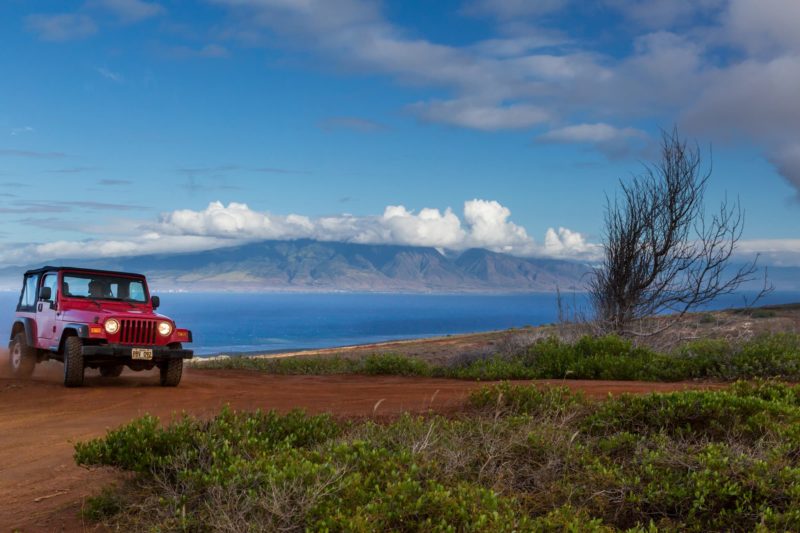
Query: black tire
[[21, 357], [112, 371], [171, 372], [73, 362]]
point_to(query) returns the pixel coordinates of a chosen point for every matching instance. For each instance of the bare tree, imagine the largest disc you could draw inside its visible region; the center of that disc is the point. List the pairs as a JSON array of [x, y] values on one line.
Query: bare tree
[[663, 252]]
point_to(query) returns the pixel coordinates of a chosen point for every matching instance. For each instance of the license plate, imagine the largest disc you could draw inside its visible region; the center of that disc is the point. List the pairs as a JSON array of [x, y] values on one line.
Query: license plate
[[142, 353]]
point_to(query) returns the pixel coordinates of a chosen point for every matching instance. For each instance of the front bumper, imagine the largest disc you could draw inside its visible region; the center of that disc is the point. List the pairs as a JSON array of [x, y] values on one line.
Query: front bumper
[[119, 351]]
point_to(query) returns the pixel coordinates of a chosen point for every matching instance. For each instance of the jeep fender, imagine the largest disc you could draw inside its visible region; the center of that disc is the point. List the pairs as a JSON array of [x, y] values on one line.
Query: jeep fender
[[26, 325], [72, 329]]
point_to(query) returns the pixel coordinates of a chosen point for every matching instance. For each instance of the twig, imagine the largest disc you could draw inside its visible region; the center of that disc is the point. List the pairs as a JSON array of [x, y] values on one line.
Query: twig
[[57, 493]]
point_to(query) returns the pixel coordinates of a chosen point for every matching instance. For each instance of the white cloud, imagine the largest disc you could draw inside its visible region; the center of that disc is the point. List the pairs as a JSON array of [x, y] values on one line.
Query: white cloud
[[61, 27], [614, 142], [568, 243], [109, 75], [589, 133], [490, 228], [764, 26], [485, 224], [20, 131], [480, 116], [776, 252]]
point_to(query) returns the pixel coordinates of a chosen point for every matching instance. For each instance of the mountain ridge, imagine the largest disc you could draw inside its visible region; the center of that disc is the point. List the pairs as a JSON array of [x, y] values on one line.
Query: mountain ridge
[[310, 265]]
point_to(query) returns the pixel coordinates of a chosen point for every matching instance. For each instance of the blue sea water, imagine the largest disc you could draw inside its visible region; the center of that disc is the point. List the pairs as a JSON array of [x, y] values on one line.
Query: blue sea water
[[230, 322]]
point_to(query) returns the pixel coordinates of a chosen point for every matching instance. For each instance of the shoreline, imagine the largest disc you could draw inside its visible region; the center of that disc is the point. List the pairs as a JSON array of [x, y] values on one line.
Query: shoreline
[[455, 338]]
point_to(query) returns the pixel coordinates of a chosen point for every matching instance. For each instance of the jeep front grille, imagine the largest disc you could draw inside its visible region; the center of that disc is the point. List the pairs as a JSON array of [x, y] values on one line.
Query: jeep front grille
[[137, 331]]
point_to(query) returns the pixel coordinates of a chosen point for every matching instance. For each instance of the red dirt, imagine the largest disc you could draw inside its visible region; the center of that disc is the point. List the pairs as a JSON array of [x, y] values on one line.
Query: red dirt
[[41, 488]]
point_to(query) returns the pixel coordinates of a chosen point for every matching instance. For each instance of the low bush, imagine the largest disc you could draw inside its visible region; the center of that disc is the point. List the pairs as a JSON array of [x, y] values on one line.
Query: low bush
[[397, 365], [520, 458], [527, 400]]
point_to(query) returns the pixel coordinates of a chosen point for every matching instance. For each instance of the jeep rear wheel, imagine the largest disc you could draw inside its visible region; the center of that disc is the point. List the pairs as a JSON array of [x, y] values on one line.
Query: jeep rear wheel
[[21, 357], [112, 371], [73, 362], [171, 372]]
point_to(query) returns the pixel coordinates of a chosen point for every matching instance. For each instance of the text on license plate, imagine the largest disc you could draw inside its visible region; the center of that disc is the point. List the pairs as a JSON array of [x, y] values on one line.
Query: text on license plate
[[141, 353]]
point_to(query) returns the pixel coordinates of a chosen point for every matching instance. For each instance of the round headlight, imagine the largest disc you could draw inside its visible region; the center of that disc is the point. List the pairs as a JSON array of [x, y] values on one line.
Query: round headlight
[[112, 326], [165, 329]]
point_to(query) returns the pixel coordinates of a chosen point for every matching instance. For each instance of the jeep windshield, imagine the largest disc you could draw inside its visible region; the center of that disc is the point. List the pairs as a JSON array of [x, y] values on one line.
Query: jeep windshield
[[103, 287]]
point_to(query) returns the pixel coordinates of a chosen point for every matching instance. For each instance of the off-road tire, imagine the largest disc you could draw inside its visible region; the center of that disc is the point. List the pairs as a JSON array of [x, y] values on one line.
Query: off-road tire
[[171, 372], [112, 371], [73, 362], [21, 357]]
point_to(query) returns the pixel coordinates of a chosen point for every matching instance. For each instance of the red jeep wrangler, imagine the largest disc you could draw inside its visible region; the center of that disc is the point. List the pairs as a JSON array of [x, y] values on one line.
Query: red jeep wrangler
[[96, 319]]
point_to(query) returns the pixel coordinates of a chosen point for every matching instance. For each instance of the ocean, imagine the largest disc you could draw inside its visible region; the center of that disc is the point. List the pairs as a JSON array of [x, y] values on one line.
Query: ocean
[[273, 322]]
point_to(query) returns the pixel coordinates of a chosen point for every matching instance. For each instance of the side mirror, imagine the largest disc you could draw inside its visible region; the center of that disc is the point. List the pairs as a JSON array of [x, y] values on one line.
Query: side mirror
[[46, 293], [156, 301]]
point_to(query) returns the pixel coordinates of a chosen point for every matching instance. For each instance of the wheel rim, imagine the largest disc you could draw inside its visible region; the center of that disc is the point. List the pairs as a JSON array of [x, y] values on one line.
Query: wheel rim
[[16, 356]]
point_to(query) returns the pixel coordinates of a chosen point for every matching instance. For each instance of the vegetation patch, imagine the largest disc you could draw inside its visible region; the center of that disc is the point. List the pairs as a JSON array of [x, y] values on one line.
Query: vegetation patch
[[608, 357], [520, 458]]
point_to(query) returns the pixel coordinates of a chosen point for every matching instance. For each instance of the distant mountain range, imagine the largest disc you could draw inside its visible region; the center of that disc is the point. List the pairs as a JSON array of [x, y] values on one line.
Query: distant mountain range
[[308, 265]]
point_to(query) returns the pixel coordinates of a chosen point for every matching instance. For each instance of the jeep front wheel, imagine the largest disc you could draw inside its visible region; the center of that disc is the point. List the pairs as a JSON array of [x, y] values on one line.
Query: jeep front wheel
[[112, 371], [171, 372], [73, 362], [21, 357]]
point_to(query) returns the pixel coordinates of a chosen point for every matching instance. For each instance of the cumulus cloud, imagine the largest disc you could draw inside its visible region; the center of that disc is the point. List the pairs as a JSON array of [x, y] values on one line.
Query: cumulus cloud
[[485, 224], [567, 243], [491, 228], [430, 227]]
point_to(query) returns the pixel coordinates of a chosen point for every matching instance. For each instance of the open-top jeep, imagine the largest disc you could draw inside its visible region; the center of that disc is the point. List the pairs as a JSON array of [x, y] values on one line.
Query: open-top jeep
[[95, 319]]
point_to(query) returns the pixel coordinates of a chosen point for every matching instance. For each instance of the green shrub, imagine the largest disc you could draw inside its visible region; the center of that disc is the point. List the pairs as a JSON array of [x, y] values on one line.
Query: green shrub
[[696, 414], [524, 399], [143, 445], [522, 458], [397, 365], [492, 369], [771, 391], [103, 506]]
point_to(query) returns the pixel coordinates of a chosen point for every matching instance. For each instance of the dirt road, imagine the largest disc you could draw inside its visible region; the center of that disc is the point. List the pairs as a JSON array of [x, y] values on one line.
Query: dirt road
[[41, 489]]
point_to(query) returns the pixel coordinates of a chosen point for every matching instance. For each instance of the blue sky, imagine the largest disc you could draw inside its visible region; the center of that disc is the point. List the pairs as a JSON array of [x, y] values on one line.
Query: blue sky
[[129, 126]]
